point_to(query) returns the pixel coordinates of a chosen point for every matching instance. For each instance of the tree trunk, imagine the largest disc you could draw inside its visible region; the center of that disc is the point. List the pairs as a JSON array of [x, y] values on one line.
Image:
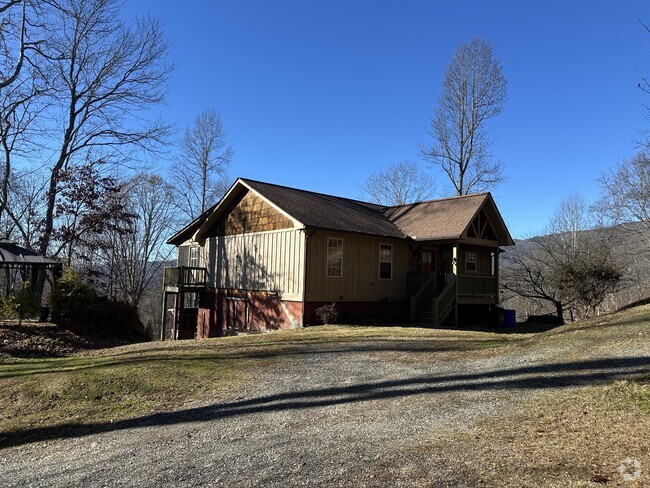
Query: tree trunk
[[559, 310]]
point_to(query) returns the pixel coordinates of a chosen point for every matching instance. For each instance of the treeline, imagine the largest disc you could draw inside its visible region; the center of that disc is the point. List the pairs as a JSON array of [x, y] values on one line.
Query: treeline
[[590, 258], [81, 177]]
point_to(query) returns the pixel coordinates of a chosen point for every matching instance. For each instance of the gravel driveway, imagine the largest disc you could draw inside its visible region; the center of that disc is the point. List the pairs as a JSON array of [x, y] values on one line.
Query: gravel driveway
[[322, 419]]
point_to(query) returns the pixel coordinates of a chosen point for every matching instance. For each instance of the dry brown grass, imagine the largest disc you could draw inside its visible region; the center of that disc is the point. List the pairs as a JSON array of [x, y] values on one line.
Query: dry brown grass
[[568, 439]]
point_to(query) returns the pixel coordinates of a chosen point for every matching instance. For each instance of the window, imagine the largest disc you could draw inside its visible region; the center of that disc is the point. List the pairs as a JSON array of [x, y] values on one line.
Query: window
[[470, 261], [334, 257], [385, 261], [193, 276], [194, 257]]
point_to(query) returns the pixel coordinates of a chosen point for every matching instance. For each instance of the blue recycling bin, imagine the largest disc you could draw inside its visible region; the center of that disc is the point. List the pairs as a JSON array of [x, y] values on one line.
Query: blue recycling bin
[[509, 318]]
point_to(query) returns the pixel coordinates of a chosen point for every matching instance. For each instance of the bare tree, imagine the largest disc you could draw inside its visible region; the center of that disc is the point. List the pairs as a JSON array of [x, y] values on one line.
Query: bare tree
[[22, 90], [473, 91], [23, 218], [625, 195], [135, 254], [17, 114], [201, 173], [398, 184], [106, 75], [525, 274], [13, 42], [572, 266]]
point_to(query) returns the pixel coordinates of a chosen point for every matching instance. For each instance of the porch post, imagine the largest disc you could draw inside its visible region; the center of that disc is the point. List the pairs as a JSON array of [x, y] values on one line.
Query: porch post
[[180, 306], [454, 259], [496, 273], [164, 317], [454, 268]]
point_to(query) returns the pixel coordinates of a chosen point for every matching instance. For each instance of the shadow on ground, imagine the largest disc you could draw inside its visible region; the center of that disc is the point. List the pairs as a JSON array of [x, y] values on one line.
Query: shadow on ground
[[548, 376]]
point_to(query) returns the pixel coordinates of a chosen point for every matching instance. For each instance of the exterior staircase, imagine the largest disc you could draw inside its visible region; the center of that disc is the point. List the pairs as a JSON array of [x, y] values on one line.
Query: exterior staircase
[[434, 311], [425, 317]]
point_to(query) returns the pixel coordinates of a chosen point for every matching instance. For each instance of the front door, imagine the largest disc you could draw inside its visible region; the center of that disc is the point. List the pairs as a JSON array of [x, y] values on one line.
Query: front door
[[427, 264]]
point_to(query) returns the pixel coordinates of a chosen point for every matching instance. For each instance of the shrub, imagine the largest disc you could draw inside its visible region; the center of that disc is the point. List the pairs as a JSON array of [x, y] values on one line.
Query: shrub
[[327, 314], [71, 299], [75, 303], [114, 318], [23, 304]]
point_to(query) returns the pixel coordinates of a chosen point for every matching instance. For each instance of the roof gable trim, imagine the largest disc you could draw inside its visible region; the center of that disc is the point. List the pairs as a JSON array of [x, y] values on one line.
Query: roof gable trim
[[225, 202]]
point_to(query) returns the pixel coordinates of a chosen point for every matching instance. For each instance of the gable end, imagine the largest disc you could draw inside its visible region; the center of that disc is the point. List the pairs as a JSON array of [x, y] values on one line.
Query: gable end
[[249, 214]]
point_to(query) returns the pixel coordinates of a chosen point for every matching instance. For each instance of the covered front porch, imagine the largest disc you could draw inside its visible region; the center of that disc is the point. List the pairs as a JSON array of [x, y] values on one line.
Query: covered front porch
[[447, 276]]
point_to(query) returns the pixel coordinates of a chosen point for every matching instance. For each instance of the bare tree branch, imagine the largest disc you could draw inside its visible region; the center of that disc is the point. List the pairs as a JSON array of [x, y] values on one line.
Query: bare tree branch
[[473, 92], [201, 173], [399, 184], [107, 76]]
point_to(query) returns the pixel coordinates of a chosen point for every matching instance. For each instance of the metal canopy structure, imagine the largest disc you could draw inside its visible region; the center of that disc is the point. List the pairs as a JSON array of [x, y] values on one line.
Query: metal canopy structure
[[13, 256]]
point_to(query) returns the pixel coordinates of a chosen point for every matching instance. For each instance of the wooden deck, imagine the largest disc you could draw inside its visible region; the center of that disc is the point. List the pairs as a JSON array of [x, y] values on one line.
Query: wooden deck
[[184, 278]]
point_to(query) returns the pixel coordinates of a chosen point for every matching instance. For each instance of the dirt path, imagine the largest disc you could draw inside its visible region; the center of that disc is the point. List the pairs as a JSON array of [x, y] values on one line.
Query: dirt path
[[323, 419]]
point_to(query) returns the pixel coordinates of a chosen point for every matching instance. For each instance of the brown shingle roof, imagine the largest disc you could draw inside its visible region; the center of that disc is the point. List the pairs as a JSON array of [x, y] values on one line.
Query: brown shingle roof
[[437, 219], [444, 219], [188, 231], [327, 211], [13, 255]]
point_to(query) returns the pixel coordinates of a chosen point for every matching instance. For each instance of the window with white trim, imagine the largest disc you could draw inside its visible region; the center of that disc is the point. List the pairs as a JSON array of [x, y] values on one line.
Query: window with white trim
[[385, 261], [194, 257], [194, 275], [334, 257], [470, 262]]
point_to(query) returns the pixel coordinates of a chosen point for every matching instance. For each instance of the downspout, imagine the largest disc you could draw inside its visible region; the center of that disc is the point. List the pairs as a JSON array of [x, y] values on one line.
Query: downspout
[[496, 274], [304, 275], [455, 270]]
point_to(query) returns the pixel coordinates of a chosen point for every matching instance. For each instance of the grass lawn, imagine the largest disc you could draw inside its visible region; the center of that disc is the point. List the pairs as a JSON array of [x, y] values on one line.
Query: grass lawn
[[579, 436]]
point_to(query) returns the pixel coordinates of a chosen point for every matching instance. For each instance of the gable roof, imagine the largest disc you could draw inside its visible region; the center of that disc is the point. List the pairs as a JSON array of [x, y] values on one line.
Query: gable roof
[[190, 229], [328, 212], [445, 219]]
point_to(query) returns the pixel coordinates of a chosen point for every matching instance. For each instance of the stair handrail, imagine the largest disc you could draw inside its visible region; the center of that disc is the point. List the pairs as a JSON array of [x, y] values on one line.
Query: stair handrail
[[444, 299], [421, 298]]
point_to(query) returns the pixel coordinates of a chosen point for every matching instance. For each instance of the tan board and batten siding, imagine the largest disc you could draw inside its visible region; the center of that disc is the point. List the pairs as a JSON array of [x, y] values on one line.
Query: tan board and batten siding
[[268, 261], [255, 248], [483, 261], [360, 280]]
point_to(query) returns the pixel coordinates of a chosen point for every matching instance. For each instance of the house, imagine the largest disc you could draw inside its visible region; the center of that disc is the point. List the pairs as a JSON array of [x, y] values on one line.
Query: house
[[267, 256]]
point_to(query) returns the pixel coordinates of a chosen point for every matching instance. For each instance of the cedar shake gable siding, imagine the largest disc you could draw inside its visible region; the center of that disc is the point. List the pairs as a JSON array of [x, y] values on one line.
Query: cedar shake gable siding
[[252, 214], [320, 211]]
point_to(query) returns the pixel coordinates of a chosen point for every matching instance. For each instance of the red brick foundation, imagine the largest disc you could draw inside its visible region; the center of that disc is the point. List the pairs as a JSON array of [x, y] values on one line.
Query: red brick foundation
[[222, 311], [356, 312]]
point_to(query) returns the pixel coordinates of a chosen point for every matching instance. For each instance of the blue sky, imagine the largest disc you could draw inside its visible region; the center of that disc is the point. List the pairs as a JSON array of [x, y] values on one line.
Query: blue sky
[[318, 95]]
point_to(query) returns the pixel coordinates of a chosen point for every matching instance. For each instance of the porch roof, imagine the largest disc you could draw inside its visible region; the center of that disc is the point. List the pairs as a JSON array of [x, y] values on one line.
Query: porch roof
[[446, 219]]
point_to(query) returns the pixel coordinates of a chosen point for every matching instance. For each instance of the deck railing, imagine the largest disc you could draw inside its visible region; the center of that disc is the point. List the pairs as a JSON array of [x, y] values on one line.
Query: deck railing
[[184, 277], [477, 285]]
